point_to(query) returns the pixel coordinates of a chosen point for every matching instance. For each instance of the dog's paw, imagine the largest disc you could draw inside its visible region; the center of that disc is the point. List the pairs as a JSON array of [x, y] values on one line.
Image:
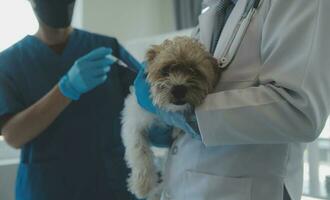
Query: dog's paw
[[142, 182]]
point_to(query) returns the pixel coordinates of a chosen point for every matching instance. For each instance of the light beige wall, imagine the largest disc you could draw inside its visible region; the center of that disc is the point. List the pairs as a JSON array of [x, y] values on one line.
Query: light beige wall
[[128, 19]]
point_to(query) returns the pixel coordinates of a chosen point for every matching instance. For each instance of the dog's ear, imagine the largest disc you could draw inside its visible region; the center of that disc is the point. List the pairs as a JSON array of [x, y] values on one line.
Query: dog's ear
[[152, 53], [154, 50]]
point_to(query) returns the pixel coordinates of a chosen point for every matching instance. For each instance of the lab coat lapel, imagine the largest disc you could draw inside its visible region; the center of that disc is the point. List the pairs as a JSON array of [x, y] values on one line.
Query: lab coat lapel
[[206, 25], [230, 29]]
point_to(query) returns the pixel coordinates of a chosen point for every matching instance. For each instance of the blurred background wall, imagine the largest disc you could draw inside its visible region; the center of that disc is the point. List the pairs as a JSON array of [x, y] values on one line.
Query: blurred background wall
[[127, 19]]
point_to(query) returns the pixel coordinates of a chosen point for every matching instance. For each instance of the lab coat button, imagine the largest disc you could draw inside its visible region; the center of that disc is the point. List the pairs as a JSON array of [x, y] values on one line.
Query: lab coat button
[[175, 150], [223, 62]]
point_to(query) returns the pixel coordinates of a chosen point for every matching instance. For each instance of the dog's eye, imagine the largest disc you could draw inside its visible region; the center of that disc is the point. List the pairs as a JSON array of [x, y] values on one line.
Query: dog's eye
[[165, 71]]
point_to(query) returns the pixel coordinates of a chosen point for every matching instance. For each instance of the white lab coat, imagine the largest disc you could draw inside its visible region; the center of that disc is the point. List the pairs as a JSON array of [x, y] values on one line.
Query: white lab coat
[[271, 100]]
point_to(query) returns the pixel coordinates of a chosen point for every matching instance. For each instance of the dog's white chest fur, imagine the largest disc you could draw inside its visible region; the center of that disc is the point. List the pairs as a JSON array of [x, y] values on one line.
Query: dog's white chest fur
[[143, 180]]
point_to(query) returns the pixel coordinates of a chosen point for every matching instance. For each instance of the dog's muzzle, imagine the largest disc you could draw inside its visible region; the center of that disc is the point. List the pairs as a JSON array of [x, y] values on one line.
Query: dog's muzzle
[[179, 93]]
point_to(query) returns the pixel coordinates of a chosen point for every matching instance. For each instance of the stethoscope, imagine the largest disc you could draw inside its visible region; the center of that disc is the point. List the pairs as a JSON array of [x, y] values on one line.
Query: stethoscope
[[253, 5], [232, 47], [224, 60]]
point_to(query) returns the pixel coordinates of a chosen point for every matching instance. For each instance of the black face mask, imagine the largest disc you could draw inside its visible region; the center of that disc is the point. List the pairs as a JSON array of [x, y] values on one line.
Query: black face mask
[[55, 13]]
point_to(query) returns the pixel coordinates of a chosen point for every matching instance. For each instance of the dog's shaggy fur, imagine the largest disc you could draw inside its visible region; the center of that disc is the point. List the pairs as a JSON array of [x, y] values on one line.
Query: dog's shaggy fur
[[181, 73]]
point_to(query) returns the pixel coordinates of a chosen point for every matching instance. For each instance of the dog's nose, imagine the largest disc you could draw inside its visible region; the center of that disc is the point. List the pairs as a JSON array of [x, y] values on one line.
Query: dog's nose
[[179, 91]]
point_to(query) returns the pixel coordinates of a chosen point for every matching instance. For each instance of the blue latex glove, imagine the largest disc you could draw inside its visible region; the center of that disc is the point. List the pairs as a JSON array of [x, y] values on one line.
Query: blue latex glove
[[87, 72], [185, 121]]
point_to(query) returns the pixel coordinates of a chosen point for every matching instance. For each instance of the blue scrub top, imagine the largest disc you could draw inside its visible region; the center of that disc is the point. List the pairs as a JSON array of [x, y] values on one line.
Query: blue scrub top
[[80, 156]]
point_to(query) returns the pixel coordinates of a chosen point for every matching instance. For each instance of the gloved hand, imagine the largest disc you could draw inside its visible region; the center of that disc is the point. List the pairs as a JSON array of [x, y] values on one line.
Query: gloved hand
[[87, 72], [185, 121]]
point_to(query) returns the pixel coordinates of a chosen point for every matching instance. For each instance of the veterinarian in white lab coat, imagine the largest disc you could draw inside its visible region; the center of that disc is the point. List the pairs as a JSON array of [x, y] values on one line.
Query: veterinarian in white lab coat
[[272, 99]]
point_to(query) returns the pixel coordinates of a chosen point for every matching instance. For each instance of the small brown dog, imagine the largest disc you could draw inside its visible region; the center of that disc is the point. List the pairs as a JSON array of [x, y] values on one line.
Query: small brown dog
[[181, 73]]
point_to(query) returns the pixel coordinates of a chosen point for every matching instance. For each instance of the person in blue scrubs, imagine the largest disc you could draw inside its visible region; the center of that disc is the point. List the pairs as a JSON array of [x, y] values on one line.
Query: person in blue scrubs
[[60, 103]]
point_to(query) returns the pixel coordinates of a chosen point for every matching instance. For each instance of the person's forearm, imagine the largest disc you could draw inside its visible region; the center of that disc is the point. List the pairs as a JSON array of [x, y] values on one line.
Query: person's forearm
[[30, 123]]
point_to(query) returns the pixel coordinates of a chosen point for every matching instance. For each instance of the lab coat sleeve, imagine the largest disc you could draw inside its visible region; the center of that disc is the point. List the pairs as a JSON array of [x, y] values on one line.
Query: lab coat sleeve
[[291, 101]]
